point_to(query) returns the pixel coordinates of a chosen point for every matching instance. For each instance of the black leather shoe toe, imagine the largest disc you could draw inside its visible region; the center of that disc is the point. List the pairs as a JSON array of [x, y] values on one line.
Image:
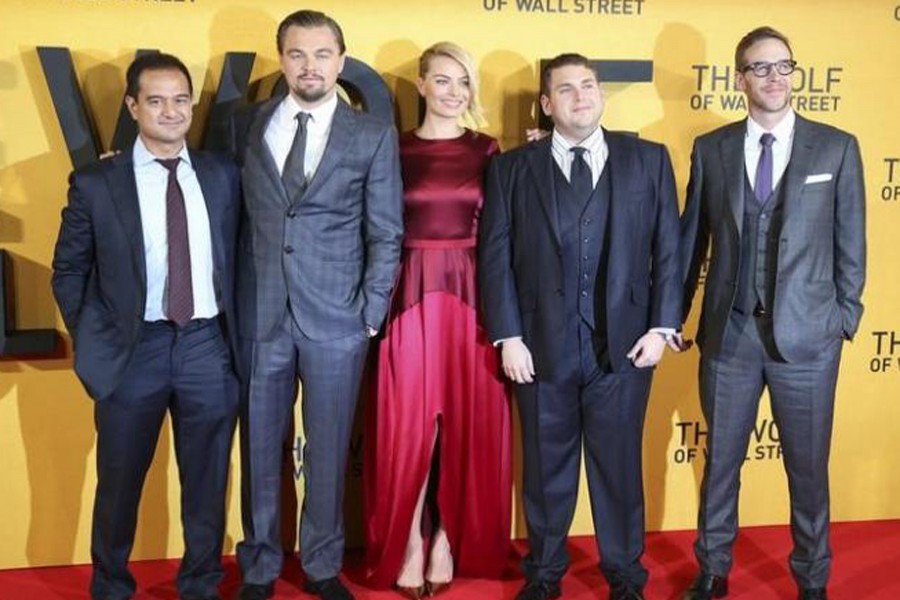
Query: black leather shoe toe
[[539, 590], [706, 587], [329, 589], [256, 591], [624, 591]]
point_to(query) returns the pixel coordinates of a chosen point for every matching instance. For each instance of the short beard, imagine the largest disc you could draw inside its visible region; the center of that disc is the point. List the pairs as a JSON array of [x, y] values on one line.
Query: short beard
[[310, 96], [779, 108]]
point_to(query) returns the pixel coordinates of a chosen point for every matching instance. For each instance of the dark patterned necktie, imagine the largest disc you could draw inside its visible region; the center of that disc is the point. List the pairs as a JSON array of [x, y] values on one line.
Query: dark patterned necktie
[[763, 188], [293, 175], [179, 290], [580, 175]]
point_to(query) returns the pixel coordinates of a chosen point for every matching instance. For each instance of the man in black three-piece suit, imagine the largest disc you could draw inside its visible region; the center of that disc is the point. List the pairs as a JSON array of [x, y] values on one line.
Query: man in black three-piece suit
[[781, 201], [578, 263], [319, 250], [143, 275]]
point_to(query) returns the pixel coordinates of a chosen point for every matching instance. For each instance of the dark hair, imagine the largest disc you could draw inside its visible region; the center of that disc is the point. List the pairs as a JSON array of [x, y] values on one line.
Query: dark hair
[[309, 18], [757, 35], [153, 61], [567, 59]]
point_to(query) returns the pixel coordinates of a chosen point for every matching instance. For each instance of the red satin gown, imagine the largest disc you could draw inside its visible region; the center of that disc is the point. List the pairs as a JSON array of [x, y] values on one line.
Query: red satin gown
[[436, 364]]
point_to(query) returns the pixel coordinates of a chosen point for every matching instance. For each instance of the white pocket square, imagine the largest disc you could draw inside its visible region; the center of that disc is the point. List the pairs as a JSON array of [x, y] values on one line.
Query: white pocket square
[[817, 178]]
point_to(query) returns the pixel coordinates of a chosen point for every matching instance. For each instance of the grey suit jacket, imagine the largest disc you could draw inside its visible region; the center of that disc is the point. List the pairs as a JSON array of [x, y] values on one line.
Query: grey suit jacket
[[333, 251], [821, 249]]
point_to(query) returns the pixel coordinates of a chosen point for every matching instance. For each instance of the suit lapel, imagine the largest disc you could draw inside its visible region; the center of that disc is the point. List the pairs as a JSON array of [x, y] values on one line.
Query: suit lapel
[[540, 165], [734, 171], [619, 166], [211, 190], [256, 142], [123, 191], [342, 132], [802, 156]]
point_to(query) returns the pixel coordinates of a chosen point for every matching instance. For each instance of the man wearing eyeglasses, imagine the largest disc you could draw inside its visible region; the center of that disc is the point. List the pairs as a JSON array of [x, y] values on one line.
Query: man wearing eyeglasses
[[781, 201]]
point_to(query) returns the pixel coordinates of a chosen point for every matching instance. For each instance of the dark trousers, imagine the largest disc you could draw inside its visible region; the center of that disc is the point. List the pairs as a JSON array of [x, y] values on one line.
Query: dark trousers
[[583, 404], [188, 372], [329, 373], [802, 397]]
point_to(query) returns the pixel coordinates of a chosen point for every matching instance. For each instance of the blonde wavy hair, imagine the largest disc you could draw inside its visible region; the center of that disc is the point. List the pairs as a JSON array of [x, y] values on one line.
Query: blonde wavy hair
[[474, 114]]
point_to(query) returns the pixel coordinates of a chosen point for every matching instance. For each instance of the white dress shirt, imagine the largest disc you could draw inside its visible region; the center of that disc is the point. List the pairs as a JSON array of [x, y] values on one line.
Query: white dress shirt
[[152, 180], [283, 126], [781, 147], [595, 155]]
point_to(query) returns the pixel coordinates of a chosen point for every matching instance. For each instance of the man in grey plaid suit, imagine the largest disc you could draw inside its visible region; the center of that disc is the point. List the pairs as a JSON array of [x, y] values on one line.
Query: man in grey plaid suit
[[318, 253]]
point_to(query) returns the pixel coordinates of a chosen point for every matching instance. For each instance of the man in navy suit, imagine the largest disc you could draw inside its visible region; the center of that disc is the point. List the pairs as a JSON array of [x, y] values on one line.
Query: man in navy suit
[[578, 259], [319, 249], [143, 275]]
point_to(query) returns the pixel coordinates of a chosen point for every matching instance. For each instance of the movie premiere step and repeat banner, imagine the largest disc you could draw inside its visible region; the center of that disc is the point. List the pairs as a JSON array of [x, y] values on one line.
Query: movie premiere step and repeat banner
[[670, 78]]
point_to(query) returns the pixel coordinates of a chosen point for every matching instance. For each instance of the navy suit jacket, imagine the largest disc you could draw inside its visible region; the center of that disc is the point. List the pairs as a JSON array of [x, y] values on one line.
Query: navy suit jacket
[[99, 271], [520, 252]]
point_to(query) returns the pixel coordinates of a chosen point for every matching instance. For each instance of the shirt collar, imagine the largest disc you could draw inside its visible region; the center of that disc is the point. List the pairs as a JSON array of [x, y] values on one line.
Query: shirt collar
[[782, 131], [594, 142], [320, 115], [142, 157]]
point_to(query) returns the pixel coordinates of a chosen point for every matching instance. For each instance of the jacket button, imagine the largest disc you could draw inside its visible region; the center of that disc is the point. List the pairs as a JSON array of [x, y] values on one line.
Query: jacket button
[[288, 249], [291, 214]]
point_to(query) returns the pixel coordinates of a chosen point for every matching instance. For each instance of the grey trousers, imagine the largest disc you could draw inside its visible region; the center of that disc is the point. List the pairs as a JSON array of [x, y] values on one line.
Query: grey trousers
[[802, 398], [329, 372]]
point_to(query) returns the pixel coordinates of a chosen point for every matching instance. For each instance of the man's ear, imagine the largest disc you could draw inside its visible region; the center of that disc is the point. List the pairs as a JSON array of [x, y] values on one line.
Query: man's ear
[[545, 104], [131, 104]]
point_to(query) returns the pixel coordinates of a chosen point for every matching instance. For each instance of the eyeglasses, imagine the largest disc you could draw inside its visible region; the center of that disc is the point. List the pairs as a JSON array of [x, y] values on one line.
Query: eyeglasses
[[762, 68]]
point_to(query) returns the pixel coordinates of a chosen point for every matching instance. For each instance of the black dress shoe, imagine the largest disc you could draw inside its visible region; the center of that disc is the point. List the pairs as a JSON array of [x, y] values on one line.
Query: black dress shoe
[[539, 590], [256, 591], [625, 591], [329, 589], [707, 586], [813, 594]]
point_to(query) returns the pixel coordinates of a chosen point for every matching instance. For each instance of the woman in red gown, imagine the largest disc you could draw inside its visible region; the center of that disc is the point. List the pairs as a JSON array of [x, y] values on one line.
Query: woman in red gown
[[438, 427]]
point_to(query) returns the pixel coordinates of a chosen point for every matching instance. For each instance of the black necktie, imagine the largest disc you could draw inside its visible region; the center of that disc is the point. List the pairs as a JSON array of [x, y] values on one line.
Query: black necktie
[[764, 176], [580, 175], [179, 290], [293, 175]]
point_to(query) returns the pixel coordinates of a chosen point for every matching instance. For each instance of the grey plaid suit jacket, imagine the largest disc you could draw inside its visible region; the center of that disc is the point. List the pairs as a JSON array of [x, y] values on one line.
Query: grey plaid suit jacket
[[821, 260], [332, 252]]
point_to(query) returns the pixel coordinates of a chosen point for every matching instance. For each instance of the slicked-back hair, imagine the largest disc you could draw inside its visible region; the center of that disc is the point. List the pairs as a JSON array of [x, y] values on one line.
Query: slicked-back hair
[[309, 19], [154, 61], [757, 35], [567, 59]]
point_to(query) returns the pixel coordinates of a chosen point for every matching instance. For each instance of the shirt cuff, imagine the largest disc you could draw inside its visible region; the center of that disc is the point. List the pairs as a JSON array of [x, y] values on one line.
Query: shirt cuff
[[499, 342], [666, 332]]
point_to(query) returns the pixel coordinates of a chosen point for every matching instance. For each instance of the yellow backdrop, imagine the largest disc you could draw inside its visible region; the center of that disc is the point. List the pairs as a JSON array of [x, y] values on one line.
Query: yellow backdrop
[[849, 76]]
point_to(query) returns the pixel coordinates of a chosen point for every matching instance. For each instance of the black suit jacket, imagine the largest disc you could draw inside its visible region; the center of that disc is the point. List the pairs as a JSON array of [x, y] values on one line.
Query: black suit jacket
[[520, 264], [99, 271]]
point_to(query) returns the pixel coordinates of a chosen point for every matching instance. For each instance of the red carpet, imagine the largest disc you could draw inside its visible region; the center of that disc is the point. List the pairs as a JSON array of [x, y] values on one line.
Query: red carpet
[[866, 566]]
